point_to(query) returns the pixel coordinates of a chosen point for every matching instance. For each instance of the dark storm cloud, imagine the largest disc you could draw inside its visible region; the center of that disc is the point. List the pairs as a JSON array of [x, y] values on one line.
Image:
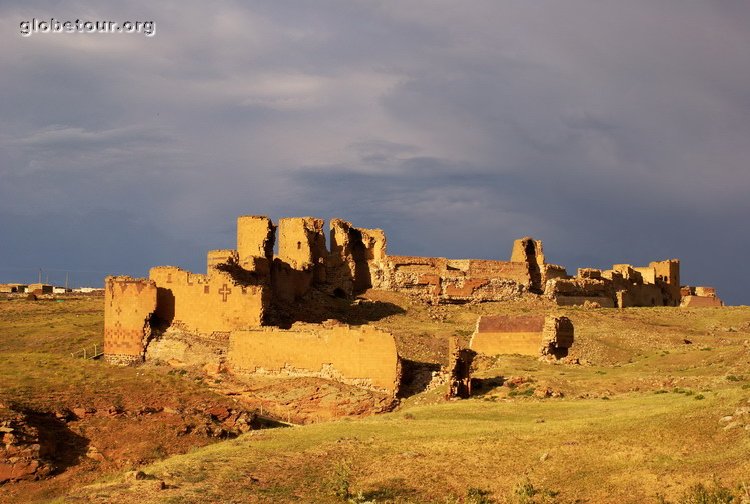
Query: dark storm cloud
[[614, 131]]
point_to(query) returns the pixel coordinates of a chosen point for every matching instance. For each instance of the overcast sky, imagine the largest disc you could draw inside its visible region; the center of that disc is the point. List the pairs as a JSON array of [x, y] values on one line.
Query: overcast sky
[[614, 131]]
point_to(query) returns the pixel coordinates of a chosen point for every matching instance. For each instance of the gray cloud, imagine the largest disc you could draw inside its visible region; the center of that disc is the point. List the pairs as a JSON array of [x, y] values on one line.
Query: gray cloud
[[614, 131]]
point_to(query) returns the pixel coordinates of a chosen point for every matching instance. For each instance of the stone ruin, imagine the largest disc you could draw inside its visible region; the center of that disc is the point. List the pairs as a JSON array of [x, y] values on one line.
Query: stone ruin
[[523, 335], [228, 310], [700, 297]]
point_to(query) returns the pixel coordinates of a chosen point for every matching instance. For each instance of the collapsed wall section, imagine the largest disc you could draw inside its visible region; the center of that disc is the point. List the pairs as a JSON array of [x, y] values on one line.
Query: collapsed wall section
[[439, 279], [534, 335], [362, 356], [355, 258], [529, 251], [256, 235], [128, 306], [301, 261], [622, 286]]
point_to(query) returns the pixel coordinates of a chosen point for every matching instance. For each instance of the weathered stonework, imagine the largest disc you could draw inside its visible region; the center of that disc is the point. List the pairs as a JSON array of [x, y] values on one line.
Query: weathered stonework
[[438, 279], [534, 335], [460, 360], [623, 286], [128, 306], [700, 297], [246, 288], [362, 356], [217, 301]]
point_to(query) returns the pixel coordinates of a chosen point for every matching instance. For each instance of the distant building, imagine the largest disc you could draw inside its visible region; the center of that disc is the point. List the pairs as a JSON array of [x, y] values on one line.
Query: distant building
[[39, 288], [87, 290], [11, 288]]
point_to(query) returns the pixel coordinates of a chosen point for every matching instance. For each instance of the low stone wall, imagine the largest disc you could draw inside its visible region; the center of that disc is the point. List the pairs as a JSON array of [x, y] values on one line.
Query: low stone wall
[[534, 335], [362, 356], [701, 302]]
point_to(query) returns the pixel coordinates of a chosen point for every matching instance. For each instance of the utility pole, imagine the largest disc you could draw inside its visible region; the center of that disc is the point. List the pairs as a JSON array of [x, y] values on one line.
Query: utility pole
[[40, 275], [66, 281]]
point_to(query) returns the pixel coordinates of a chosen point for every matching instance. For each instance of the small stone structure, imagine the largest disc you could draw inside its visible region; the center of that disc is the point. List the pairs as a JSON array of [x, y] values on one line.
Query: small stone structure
[[534, 335], [700, 297]]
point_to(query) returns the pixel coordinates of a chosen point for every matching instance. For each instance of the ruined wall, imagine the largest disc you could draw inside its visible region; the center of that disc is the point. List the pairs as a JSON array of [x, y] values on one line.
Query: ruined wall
[[255, 240], [529, 251], [301, 261], [220, 257], [523, 334], [208, 303], [453, 280], [352, 250], [255, 237], [459, 369], [505, 334], [622, 286], [591, 288], [363, 356], [128, 305], [668, 275], [700, 297]]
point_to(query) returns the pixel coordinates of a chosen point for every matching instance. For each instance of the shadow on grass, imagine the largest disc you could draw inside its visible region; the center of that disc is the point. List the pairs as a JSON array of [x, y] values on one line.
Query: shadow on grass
[[481, 386]]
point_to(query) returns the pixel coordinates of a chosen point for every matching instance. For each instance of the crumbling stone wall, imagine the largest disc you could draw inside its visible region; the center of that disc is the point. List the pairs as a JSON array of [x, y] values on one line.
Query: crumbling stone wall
[[622, 286], [700, 297], [535, 335], [363, 356], [529, 251], [128, 306], [460, 361], [438, 279], [354, 260], [301, 261]]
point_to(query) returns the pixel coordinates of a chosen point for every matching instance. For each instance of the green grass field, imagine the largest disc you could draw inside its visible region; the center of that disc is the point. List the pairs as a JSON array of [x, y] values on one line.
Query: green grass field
[[641, 417]]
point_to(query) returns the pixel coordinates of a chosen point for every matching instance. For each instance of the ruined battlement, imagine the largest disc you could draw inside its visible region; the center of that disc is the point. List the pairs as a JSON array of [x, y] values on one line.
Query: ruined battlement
[[230, 305], [624, 285]]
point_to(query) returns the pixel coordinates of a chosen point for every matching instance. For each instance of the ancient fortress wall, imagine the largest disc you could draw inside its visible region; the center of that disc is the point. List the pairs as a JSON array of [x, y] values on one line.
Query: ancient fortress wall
[[128, 305], [364, 356], [524, 334], [453, 280], [242, 286], [623, 286], [207, 303]]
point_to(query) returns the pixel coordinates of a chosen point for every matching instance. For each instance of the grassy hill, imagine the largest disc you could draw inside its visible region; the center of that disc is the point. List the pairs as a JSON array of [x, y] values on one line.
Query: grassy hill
[[651, 402]]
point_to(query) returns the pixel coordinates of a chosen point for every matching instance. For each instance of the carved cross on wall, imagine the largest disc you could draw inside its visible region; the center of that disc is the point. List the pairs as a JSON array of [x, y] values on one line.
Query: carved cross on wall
[[225, 291]]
